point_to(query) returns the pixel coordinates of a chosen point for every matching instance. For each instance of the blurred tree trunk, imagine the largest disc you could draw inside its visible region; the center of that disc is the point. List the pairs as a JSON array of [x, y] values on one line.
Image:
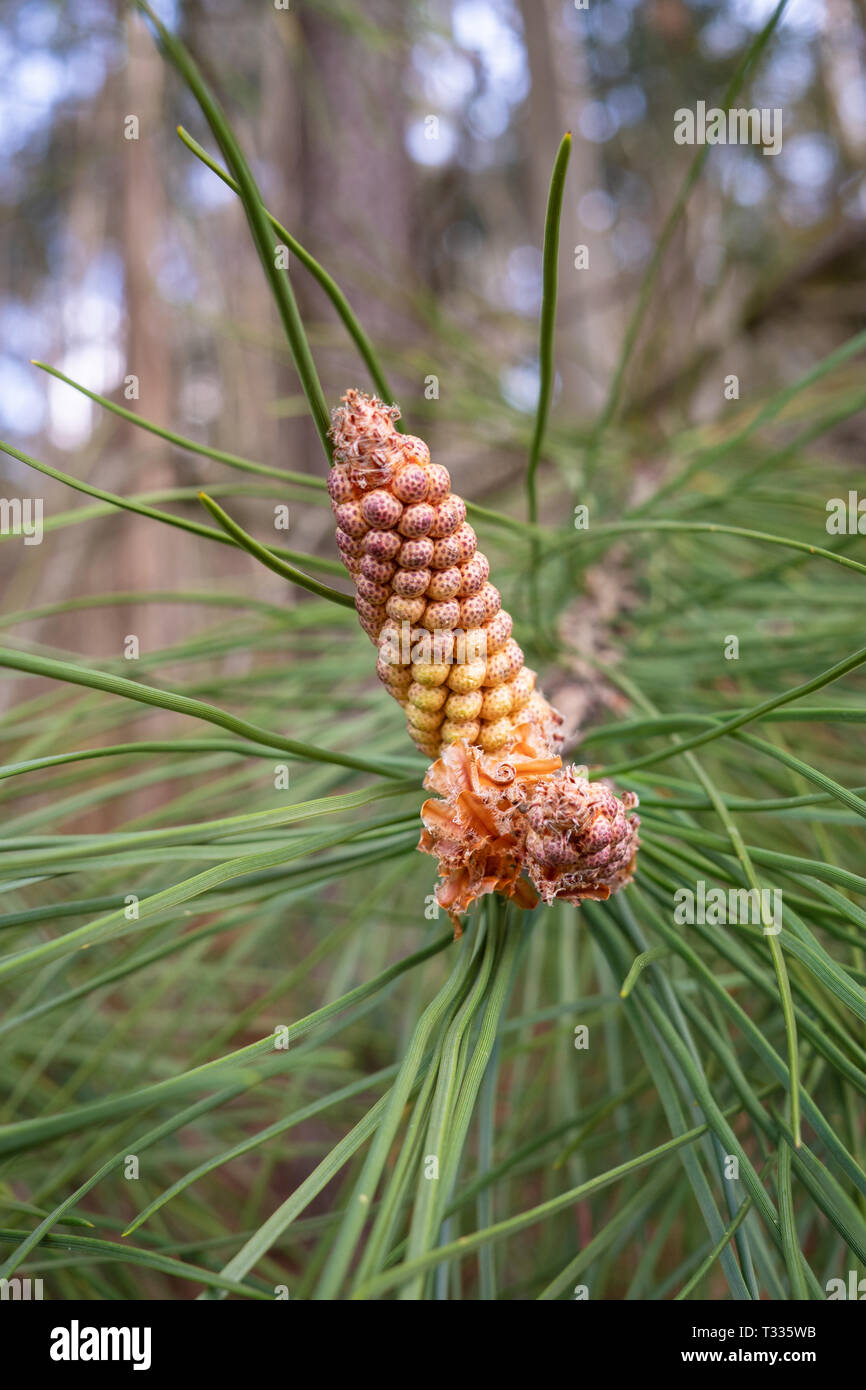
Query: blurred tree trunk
[[356, 176], [845, 78], [132, 557], [355, 181], [145, 462], [560, 88]]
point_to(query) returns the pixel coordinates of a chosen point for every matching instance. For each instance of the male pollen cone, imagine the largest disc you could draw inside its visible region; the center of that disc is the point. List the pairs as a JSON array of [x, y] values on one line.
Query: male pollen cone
[[446, 654]]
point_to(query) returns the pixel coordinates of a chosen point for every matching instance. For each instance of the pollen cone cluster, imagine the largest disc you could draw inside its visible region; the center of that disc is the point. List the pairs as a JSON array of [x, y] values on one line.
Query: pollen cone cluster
[[507, 811], [423, 592]]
